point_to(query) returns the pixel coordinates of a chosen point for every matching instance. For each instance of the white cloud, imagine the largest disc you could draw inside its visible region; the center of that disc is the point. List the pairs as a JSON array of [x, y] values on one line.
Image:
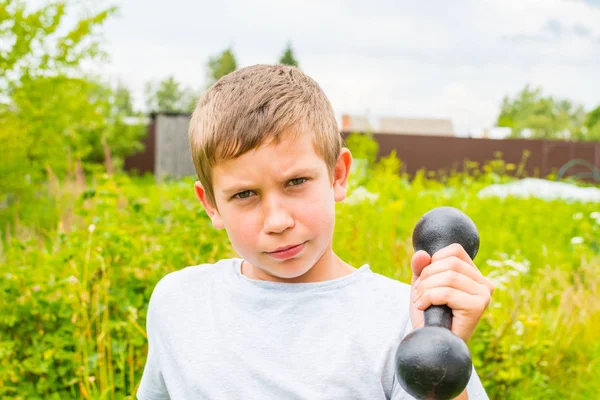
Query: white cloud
[[385, 57]]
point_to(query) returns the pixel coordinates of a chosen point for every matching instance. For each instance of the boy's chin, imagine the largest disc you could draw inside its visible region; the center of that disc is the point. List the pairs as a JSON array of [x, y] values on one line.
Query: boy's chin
[[289, 270]]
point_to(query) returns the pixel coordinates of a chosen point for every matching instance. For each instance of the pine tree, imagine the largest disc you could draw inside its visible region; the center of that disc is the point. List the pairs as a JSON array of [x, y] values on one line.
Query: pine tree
[[288, 57], [221, 65]]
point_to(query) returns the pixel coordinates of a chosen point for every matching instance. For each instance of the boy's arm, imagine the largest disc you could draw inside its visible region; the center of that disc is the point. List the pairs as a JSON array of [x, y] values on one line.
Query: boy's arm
[[463, 396]]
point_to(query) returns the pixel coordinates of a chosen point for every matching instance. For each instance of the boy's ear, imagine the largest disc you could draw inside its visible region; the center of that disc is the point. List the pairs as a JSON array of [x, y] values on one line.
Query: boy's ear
[[211, 210], [341, 173]]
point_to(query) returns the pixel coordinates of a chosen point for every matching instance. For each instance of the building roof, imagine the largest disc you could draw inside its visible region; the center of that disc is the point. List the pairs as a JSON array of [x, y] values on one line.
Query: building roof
[[398, 125]]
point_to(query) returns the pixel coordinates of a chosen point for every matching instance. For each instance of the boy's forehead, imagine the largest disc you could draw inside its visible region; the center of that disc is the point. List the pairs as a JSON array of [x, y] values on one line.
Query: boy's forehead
[[277, 161]]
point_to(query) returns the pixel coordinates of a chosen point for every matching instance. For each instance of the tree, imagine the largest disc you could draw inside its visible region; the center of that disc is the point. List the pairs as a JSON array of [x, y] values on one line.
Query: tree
[[593, 118], [544, 117], [117, 138], [54, 117], [168, 96], [122, 100], [592, 124], [44, 96], [288, 56], [221, 65]]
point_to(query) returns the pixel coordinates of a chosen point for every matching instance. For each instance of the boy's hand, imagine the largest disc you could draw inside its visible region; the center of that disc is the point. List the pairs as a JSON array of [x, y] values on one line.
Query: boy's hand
[[449, 277]]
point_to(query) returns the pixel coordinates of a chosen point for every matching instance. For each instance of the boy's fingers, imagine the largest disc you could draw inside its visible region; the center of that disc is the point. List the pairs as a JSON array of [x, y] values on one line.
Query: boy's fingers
[[455, 250], [419, 261], [452, 264], [451, 279], [458, 266], [455, 299]]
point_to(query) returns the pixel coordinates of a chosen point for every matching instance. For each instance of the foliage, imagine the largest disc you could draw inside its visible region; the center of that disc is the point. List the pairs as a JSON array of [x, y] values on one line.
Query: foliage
[[221, 65], [169, 96], [32, 44], [364, 153], [77, 279], [53, 116], [288, 56], [544, 117], [592, 124], [363, 146], [593, 118]]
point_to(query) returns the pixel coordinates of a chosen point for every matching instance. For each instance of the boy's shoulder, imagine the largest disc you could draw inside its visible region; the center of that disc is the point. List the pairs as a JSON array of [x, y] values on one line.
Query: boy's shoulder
[[193, 277]]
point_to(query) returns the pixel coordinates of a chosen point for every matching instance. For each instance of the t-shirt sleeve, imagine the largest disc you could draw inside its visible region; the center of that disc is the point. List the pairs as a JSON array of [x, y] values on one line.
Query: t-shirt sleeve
[[152, 385]]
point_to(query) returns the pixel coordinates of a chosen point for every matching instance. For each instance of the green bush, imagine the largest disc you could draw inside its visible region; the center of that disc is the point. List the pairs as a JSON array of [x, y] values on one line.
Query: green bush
[[75, 286]]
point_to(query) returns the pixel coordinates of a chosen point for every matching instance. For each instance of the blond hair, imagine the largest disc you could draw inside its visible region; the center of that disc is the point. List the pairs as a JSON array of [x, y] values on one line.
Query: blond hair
[[246, 107]]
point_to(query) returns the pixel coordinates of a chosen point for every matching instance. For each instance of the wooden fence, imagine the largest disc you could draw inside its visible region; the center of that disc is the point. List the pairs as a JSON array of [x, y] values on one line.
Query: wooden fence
[[437, 153], [167, 152]]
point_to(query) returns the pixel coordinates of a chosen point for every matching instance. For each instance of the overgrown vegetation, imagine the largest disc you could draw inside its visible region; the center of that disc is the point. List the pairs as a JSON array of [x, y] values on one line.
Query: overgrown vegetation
[[77, 277]]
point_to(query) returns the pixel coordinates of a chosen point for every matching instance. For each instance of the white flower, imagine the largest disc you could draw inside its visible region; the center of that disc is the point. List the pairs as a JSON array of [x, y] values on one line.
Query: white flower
[[577, 215], [520, 267], [595, 215], [359, 195], [498, 280], [576, 240], [494, 263], [518, 327], [72, 280], [91, 228]]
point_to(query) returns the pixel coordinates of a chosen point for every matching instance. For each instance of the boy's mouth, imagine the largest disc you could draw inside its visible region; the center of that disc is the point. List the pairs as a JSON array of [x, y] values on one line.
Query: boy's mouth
[[287, 251], [284, 248]]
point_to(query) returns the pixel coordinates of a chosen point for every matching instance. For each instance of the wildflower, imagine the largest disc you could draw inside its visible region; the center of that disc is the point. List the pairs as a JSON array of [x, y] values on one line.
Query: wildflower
[[576, 240], [494, 263], [518, 327], [519, 267], [498, 280], [91, 228], [577, 216], [359, 195]]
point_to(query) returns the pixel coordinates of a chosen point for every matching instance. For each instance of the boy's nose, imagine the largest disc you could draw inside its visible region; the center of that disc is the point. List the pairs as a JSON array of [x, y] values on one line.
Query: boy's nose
[[277, 219]]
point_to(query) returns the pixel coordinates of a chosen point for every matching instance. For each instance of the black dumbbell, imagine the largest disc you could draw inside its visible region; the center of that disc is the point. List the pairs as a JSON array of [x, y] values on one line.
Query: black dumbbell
[[432, 362]]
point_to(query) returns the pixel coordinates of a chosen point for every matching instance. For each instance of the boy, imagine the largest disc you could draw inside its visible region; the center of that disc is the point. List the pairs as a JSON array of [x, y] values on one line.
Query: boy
[[288, 319]]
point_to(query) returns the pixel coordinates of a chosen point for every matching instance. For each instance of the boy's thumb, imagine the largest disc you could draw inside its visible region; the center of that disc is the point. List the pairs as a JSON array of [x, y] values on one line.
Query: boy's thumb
[[419, 261]]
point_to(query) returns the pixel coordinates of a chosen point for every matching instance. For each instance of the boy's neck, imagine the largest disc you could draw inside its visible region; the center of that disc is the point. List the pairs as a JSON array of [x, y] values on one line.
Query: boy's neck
[[327, 268]]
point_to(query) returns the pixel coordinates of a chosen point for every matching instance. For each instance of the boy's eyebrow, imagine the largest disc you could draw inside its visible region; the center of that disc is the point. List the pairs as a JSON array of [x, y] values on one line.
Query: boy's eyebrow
[[294, 174]]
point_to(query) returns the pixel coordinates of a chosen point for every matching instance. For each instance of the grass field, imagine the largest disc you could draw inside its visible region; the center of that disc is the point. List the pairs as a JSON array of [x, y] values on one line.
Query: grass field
[[79, 265]]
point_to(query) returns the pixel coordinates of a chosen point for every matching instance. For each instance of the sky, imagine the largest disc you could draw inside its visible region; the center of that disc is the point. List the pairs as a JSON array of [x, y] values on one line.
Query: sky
[[433, 58]]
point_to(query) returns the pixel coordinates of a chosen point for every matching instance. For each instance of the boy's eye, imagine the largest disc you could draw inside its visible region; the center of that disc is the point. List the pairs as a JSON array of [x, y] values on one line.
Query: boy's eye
[[296, 183], [243, 195], [247, 193]]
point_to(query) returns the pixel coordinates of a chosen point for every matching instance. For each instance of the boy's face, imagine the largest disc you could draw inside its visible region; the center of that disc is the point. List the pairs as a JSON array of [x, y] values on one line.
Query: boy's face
[[277, 196]]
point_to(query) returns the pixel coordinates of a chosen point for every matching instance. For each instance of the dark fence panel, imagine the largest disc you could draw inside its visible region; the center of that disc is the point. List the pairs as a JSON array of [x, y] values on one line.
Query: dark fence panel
[[450, 153], [144, 161]]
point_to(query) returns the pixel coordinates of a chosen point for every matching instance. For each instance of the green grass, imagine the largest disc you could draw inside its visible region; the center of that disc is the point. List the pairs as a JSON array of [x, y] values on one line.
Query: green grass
[[79, 265]]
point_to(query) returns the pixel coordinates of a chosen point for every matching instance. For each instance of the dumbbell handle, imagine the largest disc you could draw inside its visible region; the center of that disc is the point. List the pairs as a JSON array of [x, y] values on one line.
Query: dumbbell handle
[[439, 316]]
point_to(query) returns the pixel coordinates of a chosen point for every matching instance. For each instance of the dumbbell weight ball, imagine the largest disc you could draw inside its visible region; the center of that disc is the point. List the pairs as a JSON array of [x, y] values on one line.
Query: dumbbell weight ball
[[432, 362]]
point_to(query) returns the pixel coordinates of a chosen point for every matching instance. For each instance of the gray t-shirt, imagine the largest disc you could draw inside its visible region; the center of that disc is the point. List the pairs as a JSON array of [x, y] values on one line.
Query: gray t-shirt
[[213, 333]]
